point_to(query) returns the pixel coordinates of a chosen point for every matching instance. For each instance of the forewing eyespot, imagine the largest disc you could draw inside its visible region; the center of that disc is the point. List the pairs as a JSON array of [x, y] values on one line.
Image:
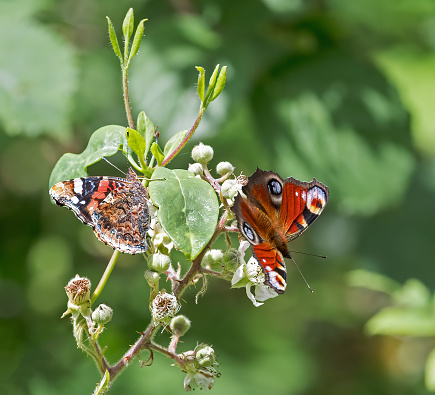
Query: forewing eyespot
[[274, 187]]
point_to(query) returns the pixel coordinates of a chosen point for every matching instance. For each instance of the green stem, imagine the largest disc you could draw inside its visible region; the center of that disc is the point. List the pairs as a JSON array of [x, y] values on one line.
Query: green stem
[[127, 98], [105, 276]]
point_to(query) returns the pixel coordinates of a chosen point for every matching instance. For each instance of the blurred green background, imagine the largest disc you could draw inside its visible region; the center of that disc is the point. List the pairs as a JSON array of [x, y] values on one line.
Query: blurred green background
[[340, 90]]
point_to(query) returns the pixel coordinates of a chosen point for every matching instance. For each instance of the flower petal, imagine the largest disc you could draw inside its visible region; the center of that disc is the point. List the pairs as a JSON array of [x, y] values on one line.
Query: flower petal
[[239, 279], [251, 296], [264, 292]]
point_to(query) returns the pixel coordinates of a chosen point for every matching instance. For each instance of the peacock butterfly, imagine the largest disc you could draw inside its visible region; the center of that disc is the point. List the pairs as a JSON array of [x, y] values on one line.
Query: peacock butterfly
[[270, 212]]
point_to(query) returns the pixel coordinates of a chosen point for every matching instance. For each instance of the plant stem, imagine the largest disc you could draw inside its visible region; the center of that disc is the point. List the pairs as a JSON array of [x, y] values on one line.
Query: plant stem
[[167, 352], [181, 286], [143, 342], [186, 139], [127, 98], [105, 276]]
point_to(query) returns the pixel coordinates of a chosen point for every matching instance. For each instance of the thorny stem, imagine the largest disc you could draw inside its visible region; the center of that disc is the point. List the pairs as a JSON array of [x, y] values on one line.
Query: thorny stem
[[142, 343], [145, 340], [165, 351]]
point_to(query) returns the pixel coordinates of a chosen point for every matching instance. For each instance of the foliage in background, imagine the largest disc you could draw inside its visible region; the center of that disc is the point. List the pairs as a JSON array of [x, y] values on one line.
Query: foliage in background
[[355, 76]]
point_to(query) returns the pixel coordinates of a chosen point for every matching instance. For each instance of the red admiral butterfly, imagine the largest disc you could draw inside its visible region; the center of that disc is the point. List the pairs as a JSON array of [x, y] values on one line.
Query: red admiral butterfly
[[273, 212], [116, 208]]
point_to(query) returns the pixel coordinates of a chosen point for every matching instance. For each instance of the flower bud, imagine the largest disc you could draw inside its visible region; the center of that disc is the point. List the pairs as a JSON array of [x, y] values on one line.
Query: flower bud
[[230, 188], [205, 355], [163, 307], [79, 290], [102, 314], [196, 169], [159, 262], [231, 260], [202, 153], [179, 325], [224, 168], [213, 258], [152, 278]]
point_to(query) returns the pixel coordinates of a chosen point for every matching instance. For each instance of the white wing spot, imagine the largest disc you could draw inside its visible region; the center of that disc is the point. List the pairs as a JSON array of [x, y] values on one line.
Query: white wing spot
[[75, 200], [78, 186]]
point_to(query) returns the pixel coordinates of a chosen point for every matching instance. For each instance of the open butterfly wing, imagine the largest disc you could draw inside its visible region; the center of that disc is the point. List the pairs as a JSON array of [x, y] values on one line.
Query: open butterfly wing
[[302, 203]]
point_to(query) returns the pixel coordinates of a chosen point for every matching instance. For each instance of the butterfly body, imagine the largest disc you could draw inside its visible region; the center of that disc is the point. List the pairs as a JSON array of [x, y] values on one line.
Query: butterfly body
[[270, 212], [116, 208]]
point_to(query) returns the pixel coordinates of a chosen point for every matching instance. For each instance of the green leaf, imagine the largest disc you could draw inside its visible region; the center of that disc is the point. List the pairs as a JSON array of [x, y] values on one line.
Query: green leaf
[[220, 84], [114, 39], [188, 208], [105, 141], [413, 294], [399, 321], [128, 24], [201, 82], [157, 152], [429, 378], [103, 385], [373, 281], [146, 128], [137, 143], [174, 142], [137, 39], [353, 136], [211, 84]]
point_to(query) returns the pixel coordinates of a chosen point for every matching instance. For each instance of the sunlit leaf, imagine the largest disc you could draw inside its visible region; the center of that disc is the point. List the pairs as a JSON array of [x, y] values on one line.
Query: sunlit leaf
[[413, 294], [373, 281], [103, 385], [157, 152], [174, 142], [188, 208], [105, 141], [146, 128], [399, 321], [412, 71], [136, 142], [429, 374], [201, 82]]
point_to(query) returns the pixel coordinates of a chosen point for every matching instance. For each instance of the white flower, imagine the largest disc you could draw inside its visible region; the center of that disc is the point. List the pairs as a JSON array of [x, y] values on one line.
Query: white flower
[[201, 378], [156, 232], [230, 188], [250, 274]]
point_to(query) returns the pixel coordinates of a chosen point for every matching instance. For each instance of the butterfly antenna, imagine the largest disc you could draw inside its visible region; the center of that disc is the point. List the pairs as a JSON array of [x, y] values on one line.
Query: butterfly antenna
[[110, 163], [307, 253], [299, 270]]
